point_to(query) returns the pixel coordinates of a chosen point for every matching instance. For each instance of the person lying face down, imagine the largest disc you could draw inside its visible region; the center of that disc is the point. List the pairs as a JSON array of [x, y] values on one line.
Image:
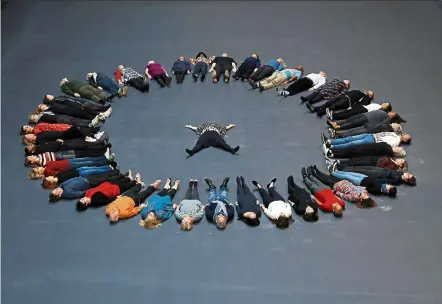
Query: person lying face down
[[278, 78], [247, 67], [129, 203], [128, 76], [181, 68], [79, 88], [160, 207], [274, 205], [222, 65], [103, 82], [309, 82], [247, 206], [358, 109], [219, 210], [301, 201], [274, 65], [327, 91], [190, 210]]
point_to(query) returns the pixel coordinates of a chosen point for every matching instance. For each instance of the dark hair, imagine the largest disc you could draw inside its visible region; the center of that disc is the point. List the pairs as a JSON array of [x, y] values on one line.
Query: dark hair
[[411, 181], [27, 162], [81, 206], [201, 54], [48, 185], [311, 217], [252, 222], [53, 198], [392, 192], [282, 222], [398, 119], [46, 99], [22, 130], [389, 108], [366, 203]]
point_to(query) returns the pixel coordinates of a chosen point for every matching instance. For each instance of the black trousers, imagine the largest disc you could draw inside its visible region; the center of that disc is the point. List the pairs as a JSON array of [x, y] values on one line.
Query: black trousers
[[314, 97], [325, 178], [355, 110], [162, 80], [352, 122], [271, 196], [192, 193], [261, 73], [137, 195], [169, 192], [179, 75], [211, 139], [245, 70], [222, 70], [78, 154], [74, 110], [82, 123], [139, 83], [299, 86], [342, 102]]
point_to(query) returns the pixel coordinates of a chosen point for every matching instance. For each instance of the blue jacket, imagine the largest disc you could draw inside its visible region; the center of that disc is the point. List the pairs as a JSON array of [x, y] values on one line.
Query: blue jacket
[[181, 66], [160, 205], [74, 188], [250, 60], [276, 65]]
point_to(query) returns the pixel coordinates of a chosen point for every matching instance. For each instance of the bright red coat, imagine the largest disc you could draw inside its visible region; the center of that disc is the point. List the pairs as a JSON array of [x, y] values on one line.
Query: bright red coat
[[328, 198], [53, 167], [106, 188], [43, 127]]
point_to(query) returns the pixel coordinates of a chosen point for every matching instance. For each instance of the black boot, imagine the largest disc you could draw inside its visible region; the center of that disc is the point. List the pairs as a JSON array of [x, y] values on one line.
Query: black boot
[[203, 77], [320, 111], [309, 170], [236, 149], [303, 173], [238, 181], [188, 151], [272, 181], [209, 183], [195, 77], [310, 107], [225, 182]]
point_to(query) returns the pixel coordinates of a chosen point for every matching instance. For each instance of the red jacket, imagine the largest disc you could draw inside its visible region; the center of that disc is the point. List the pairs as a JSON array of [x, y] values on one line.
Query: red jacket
[[327, 198], [43, 127], [53, 167], [106, 188]]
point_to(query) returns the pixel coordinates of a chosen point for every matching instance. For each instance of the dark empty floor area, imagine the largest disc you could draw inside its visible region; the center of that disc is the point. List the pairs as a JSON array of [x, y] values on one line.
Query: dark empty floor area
[[391, 254]]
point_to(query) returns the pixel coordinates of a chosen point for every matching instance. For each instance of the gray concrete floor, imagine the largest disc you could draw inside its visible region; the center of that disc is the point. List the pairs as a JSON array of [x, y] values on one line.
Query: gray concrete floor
[[51, 254]]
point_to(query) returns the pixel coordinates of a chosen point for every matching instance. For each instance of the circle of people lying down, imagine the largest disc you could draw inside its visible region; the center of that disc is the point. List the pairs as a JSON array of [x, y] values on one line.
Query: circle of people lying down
[[66, 148]]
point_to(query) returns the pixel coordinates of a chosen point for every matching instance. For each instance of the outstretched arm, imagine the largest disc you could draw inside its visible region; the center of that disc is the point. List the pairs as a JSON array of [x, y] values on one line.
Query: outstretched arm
[[193, 128], [230, 127]]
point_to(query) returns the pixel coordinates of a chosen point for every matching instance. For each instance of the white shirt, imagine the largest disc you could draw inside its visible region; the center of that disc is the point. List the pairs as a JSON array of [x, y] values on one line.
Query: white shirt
[[318, 80], [276, 208], [373, 107], [390, 138]]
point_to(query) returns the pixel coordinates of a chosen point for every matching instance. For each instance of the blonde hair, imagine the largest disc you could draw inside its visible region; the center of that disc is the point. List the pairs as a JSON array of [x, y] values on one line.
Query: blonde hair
[[150, 223], [187, 226], [34, 174]]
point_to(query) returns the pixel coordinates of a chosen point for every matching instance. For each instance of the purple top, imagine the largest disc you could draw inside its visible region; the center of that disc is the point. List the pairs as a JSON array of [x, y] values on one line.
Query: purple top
[[155, 69]]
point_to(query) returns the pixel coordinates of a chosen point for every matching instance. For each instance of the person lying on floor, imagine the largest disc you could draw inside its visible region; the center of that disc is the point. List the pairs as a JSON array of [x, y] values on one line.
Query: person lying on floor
[[390, 138], [302, 201], [385, 176], [128, 76], [278, 78], [325, 198], [64, 101], [361, 119], [62, 176], [180, 69], [222, 65], [387, 162], [310, 82], [129, 203], [268, 69], [156, 72], [375, 149], [103, 82], [68, 144], [44, 127], [247, 206], [73, 110], [358, 109], [79, 88], [344, 189], [106, 192], [327, 91], [247, 67], [190, 210], [343, 101], [76, 187], [274, 205], [219, 210], [41, 160], [201, 65], [49, 117], [211, 134], [370, 127], [53, 167], [71, 133], [159, 208]]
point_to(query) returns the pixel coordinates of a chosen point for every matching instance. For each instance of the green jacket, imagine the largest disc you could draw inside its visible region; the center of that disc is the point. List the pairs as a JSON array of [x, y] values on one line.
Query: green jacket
[[73, 86]]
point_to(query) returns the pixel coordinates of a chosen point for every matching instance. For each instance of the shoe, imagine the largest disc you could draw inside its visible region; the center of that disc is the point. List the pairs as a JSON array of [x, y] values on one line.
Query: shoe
[[108, 154], [310, 107], [209, 183], [256, 184], [330, 132], [125, 90], [236, 149], [203, 78], [329, 154], [235, 77], [195, 183], [320, 112], [225, 182], [253, 85], [335, 166], [309, 170], [243, 182], [324, 149], [191, 183], [330, 169], [189, 152], [195, 77], [303, 173], [328, 161], [271, 182], [99, 134], [328, 122], [333, 133], [330, 115], [261, 89], [238, 181], [303, 99]]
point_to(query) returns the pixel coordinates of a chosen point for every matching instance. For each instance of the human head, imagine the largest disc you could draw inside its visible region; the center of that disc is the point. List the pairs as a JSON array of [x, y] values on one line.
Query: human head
[[30, 148], [114, 216], [32, 161], [399, 151], [323, 74], [386, 106], [405, 138], [120, 67], [88, 75], [49, 182], [347, 83], [181, 58], [150, 62], [48, 98], [33, 118], [29, 139], [391, 190], [254, 55], [396, 127], [225, 54], [369, 93], [395, 118], [187, 223], [25, 129], [41, 108], [409, 179], [36, 173], [55, 195], [337, 210], [401, 163], [151, 221], [221, 221], [300, 68], [283, 222], [310, 215], [83, 203], [63, 81], [366, 202], [251, 219]]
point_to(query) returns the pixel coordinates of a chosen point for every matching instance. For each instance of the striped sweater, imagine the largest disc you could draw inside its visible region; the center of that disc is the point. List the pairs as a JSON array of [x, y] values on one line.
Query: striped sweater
[[46, 157]]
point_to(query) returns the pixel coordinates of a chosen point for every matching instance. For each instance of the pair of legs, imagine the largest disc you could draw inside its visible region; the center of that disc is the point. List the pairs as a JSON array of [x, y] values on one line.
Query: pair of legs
[[313, 98], [244, 71], [200, 70], [353, 131], [352, 122], [222, 196], [113, 177], [352, 177], [313, 184], [162, 80], [81, 144], [179, 75], [86, 171], [354, 110], [343, 102], [221, 70], [261, 73], [297, 87], [328, 180], [359, 161], [139, 83], [272, 81], [139, 195], [269, 196], [75, 163], [293, 188], [344, 142], [69, 154], [192, 191], [110, 86], [211, 139], [93, 94]]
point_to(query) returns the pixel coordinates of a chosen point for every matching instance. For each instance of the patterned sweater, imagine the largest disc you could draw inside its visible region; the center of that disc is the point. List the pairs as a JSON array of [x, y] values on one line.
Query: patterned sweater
[[46, 157], [126, 74], [347, 191], [211, 126], [47, 127], [193, 208], [332, 89]]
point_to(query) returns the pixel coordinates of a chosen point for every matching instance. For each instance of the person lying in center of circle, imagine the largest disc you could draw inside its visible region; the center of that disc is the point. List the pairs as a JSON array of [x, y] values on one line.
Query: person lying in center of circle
[[248, 207], [274, 205], [129, 203], [159, 208], [190, 210], [219, 211]]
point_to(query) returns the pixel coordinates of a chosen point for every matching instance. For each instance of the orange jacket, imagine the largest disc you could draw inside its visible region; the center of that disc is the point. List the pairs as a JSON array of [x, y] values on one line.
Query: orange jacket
[[125, 206]]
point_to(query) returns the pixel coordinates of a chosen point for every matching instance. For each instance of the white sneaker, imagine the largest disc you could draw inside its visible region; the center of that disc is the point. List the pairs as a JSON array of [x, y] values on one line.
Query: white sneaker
[[99, 135], [108, 154], [324, 149]]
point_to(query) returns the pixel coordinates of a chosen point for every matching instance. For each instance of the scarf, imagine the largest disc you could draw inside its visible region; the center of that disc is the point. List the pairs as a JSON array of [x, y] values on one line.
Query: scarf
[[220, 209]]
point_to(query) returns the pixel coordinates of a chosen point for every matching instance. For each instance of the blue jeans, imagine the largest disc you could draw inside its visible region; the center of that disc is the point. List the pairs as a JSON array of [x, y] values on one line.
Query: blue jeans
[[214, 197], [352, 177], [75, 163], [200, 68], [109, 85], [341, 143], [86, 171]]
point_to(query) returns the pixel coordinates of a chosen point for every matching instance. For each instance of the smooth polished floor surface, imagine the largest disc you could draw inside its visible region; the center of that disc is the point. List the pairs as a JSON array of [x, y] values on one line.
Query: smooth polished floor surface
[[391, 254]]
